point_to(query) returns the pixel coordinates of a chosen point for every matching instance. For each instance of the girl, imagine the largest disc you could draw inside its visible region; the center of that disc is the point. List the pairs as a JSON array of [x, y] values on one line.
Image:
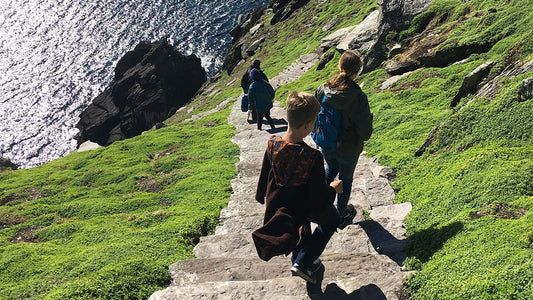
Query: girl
[[343, 94]]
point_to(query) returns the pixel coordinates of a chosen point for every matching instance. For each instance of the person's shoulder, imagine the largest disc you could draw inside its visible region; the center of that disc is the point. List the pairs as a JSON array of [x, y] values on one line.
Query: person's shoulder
[[310, 152]]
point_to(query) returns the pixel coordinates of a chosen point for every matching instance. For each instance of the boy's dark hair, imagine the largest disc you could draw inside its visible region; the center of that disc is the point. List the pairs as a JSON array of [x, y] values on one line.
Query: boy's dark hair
[[301, 107]]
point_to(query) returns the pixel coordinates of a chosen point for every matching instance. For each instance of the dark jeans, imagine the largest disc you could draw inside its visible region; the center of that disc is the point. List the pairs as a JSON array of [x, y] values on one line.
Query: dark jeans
[[315, 245], [260, 116], [344, 167]]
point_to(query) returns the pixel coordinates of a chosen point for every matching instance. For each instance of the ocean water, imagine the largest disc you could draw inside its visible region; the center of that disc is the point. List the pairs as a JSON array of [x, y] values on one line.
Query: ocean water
[[56, 56]]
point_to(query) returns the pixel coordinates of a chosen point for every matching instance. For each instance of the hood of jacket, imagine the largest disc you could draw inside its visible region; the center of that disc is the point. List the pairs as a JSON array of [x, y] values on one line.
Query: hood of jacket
[[291, 163], [341, 100]]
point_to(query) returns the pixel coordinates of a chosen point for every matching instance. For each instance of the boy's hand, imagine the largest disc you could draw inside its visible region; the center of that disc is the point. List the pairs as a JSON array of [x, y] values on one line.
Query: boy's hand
[[337, 185]]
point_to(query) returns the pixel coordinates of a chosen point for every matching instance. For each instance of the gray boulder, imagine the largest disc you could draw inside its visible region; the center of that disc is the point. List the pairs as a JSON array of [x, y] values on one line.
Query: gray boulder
[[525, 92], [254, 46], [471, 81], [397, 14], [368, 37]]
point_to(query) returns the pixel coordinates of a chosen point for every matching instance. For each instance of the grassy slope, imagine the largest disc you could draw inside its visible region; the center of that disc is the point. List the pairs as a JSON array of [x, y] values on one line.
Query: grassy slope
[[471, 225], [110, 221], [101, 231]]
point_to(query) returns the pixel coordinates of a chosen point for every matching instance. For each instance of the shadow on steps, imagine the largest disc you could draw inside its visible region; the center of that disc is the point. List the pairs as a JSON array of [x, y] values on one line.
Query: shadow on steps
[[384, 242], [334, 292]]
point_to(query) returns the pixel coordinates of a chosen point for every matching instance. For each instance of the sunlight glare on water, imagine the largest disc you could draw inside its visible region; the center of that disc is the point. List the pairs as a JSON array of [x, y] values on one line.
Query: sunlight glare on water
[[56, 56]]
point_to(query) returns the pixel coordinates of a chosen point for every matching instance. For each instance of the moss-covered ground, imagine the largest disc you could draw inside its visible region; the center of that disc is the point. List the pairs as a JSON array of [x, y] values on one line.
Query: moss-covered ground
[[107, 223], [471, 228]]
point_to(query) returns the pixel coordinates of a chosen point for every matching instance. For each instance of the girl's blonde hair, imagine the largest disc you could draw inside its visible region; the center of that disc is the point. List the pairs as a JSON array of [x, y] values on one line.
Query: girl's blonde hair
[[350, 63]]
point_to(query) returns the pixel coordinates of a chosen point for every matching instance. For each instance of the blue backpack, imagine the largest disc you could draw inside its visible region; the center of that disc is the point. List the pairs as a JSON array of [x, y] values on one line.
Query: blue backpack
[[244, 103], [328, 128]]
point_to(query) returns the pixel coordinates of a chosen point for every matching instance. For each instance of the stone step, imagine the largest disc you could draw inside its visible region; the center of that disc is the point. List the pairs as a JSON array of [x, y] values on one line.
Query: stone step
[[352, 239], [366, 236], [337, 265], [245, 185], [345, 275], [241, 205], [225, 245], [279, 289], [242, 224]]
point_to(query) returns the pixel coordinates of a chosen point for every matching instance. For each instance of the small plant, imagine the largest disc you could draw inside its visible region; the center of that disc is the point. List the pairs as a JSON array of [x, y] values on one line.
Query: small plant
[[366, 215]]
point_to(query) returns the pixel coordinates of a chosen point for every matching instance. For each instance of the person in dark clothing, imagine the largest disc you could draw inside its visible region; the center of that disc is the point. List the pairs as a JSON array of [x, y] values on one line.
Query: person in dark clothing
[[246, 80], [293, 186], [260, 96], [343, 94]]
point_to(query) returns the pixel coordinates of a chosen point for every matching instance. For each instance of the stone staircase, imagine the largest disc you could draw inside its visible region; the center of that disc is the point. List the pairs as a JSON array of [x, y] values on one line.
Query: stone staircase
[[363, 261]]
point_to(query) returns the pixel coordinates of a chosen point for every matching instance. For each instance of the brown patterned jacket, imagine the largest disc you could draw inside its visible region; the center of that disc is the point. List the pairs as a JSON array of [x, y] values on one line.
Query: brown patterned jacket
[[293, 186]]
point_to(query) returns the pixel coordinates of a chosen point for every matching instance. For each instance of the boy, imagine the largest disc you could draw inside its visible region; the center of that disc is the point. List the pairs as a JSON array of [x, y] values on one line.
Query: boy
[[292, 183]]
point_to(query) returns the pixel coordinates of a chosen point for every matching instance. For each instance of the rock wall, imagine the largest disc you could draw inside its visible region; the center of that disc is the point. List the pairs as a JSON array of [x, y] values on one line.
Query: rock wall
[[151, 83]]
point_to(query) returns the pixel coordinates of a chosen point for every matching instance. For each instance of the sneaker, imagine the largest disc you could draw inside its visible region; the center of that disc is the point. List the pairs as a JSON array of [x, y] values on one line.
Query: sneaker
[[307, 275], [348, 216]]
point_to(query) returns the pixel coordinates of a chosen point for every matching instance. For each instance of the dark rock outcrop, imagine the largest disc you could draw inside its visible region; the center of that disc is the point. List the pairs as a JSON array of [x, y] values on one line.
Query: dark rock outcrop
[[282, 9], [151, 82], [324, 60], [471, 81], [6, 164], [394, 67], [242, 34]]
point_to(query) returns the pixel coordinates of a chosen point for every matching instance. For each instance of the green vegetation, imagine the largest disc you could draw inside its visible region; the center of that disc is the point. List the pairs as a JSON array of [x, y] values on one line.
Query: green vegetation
[[107, 223], [472, 192], [471, 226]]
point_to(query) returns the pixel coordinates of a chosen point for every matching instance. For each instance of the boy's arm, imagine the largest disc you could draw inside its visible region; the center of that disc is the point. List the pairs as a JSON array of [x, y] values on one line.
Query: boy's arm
[[263, 180]]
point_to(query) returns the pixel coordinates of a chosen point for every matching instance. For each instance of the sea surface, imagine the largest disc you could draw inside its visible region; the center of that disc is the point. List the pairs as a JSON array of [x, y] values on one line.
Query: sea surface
[[56, 56]]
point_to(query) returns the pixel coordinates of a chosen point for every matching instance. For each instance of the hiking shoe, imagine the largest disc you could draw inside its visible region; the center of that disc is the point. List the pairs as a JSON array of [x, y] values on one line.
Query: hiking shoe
[[307, 275], [348, 216]]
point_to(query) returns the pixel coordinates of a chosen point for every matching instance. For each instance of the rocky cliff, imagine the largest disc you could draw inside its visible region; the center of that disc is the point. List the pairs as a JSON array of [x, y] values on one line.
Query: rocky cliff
[[151, 83]]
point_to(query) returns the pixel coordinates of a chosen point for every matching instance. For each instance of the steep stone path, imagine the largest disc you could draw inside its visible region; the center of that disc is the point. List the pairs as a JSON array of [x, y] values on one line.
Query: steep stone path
[[361, 262]]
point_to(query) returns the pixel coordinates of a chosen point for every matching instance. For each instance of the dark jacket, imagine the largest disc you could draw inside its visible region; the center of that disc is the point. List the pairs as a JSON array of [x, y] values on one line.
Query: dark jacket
[[246, 80], [260, 96], [356, 117], [292, 183]]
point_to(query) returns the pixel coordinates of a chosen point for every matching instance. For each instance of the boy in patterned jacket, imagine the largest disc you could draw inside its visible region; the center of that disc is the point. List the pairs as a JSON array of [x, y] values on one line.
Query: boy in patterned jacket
[[293, 186]]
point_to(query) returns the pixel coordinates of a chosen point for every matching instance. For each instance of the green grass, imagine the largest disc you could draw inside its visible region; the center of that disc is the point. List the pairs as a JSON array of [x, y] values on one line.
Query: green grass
[[470, 231], [284, 45], [107, 223]]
